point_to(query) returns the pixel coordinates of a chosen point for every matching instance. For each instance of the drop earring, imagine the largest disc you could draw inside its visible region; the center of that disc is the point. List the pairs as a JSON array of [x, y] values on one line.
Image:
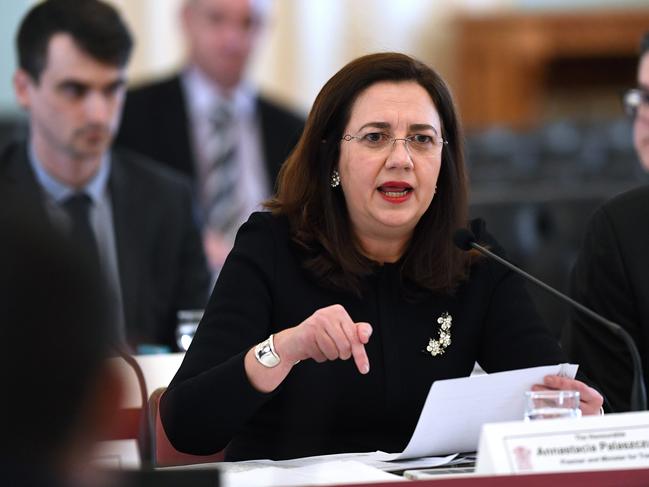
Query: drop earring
[[335, 179]]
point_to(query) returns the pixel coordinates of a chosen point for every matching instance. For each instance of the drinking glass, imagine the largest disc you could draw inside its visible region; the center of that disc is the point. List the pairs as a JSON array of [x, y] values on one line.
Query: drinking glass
[[551, 404], [188, 320]]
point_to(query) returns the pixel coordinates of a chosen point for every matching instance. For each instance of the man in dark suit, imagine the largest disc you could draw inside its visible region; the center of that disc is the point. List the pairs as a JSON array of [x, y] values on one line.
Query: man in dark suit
[[207, 122], [611, 272], [133, 216]]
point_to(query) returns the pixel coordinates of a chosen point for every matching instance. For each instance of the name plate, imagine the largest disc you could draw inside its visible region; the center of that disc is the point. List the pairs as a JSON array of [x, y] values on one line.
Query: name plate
[[612, 441]]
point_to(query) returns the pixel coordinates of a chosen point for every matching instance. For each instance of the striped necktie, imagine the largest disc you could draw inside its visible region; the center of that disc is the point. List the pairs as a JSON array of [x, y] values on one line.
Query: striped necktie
[[222, 204]]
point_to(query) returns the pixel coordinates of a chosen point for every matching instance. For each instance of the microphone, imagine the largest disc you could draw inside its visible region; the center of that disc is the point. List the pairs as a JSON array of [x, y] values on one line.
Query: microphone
[[464, 239]]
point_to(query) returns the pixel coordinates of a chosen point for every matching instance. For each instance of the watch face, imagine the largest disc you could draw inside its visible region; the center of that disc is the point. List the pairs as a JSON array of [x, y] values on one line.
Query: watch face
[[270, 360], [265, 354]]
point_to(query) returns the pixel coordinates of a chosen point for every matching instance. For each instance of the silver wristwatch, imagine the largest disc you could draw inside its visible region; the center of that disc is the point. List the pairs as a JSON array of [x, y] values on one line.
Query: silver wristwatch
[[265, 353]]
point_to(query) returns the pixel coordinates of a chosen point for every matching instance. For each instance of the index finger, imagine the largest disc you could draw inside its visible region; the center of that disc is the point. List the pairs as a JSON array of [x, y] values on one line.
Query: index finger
[[358, 334]]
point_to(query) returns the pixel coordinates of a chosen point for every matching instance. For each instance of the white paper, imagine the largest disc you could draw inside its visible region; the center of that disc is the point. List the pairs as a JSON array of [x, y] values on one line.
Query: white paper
[[456, 409], [380, 460], [450, 421], [320, 473]]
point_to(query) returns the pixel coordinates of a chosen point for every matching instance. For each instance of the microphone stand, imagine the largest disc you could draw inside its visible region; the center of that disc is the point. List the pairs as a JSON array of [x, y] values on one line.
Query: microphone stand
[[638, 401]]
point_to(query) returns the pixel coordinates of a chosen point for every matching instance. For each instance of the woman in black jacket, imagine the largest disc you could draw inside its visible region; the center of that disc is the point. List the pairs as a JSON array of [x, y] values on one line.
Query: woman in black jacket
[[337, 310]]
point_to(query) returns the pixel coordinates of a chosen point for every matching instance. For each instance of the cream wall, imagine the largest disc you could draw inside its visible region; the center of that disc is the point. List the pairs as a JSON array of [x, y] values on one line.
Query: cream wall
[[308, 40]]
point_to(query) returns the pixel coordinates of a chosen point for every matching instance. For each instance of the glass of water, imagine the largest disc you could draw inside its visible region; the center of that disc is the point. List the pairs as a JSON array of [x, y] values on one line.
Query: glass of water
[[188, 320], [551, 405]]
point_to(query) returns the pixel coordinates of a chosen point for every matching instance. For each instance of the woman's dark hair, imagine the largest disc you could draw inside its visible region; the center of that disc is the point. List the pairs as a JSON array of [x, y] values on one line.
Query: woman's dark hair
[[318, 213], [95, 26]]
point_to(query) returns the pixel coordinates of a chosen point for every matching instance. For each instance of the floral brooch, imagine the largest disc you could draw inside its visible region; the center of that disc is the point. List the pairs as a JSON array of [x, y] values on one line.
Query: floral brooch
[[438, 347]]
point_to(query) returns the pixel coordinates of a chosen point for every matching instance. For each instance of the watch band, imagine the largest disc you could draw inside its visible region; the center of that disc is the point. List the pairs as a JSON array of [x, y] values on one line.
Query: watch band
[[265, 353]]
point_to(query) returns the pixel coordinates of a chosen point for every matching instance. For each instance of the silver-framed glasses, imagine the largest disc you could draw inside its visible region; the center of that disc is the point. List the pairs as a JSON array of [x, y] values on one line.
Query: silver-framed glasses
[[416, 144]]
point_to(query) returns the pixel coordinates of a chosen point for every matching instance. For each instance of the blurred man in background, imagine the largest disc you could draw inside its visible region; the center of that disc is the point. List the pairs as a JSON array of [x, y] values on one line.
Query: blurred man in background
[[134, 217], [610, 275], [209, 123]]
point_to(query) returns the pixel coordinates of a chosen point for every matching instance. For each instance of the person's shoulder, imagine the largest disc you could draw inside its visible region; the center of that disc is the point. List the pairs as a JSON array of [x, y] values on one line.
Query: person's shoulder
[[267, 221], [10, 153], [145, 169], [619, 214], [15, 169], [154, 90], [631, 201], [280, 113], [268, 234]]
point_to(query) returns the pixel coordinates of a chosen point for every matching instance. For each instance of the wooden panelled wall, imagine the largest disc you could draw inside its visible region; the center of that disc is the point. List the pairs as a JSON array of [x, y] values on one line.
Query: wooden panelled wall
[[505, 59]]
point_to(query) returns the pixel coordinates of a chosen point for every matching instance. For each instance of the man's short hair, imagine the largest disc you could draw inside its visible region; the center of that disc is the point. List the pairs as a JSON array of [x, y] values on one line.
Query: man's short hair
[[95, 26]]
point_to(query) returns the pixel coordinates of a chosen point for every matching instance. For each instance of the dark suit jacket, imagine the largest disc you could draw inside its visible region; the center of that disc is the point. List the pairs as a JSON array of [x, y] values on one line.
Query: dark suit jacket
[[330, 407], [160, 258], [611, 277], [155, 123]]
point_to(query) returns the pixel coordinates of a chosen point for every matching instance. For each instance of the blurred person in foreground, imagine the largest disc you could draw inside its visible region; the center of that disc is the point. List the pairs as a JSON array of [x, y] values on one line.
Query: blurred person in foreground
[[610, 274], [60, 394], [133, 216], [337, 310], [209, 122]]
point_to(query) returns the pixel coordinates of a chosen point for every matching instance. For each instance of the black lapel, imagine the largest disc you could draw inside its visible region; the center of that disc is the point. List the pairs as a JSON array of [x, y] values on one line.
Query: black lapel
[[280, 131], [272, 148], [175, 121], [127, 220]]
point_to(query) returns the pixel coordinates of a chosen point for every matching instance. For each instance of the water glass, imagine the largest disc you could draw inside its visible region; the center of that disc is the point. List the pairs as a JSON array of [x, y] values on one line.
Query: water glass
[[551, 405], [188, 320]]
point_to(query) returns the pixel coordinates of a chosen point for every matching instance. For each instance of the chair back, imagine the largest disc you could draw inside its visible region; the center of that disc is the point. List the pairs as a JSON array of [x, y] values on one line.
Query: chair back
[[164, 454]]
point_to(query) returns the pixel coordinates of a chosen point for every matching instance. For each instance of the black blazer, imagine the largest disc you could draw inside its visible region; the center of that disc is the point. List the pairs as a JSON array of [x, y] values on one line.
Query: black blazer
[[155, 123], [610, 276], [161, 264], [330, 407]]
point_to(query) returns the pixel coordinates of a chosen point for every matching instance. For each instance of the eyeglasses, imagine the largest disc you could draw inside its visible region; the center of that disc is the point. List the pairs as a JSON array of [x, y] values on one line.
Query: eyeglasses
[[633, 98], [419, 144]]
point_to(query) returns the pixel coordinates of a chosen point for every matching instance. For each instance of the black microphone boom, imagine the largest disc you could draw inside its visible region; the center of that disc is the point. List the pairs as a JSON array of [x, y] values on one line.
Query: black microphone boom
[[465, 240]]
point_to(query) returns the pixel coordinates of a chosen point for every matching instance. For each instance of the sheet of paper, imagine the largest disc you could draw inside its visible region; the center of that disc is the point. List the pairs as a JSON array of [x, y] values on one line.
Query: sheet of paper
[[320, 473], [455, 409], [378, 459], [450, 421]]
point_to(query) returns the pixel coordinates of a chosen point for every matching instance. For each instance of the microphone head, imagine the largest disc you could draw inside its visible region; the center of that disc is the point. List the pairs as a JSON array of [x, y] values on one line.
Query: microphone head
[[463, 238]]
